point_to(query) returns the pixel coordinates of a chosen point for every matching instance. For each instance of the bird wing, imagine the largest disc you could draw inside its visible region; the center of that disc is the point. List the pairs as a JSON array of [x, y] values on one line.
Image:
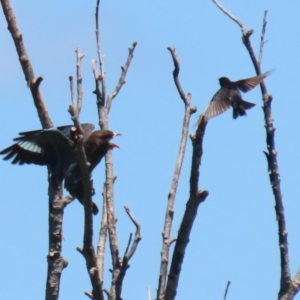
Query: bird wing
[[216, 106], [40, 147], [87, 130], [248, 84]]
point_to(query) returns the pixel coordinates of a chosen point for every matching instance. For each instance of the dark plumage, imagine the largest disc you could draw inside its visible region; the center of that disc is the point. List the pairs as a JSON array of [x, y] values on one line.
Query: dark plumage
[[229, 95], [96, 146], [55, 148]]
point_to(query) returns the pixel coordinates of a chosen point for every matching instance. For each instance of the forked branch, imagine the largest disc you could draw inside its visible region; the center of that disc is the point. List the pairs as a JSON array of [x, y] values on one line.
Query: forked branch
[[109, 221], [166, 235], [288, 287], [87, 251]]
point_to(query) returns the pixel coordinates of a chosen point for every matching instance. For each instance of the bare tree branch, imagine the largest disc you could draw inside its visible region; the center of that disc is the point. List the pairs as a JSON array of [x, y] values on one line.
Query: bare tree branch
[[72, 90], [262, 38], [27, 68], [293, 288], [79, 81], [124, 264], [196, 197], [100, 81], [103, 110], [122, 77], [186, 98], [56, 263], [226, 290], [230, 15], [87, 251], [137, 236], [188, 111], [129, 243], [286, 284], [102, 237]]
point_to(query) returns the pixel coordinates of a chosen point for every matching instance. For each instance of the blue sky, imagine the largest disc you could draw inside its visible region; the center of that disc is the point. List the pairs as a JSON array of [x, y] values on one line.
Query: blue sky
[[235, 234]]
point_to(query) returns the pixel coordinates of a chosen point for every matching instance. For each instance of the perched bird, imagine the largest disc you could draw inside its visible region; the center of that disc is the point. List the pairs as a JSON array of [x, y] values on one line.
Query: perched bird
[[54, 147], [229, 95], [96, 146]]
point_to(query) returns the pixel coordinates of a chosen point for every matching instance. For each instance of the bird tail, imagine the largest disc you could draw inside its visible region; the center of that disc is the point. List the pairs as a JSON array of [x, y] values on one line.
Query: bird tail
[[240, 107], [74, 185]]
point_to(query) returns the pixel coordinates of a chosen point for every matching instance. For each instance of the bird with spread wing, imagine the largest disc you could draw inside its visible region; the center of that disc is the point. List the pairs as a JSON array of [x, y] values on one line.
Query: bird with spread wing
[[55, 148], [229, 95]]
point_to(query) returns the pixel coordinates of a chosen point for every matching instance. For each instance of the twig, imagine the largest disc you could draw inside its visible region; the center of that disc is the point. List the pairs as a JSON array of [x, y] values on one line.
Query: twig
[[128, 243], [79, 57], [226, 290], [122, 77], [286, 283], [124, 265], [137, 236], [186, 98], [230, 15], [188, 111], [87, 251], [100, 81], [72, 90], [262, 37], [196, 197]]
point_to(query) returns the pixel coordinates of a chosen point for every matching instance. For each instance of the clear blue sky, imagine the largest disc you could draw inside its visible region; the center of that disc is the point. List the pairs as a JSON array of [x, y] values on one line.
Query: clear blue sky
[[235, 234]]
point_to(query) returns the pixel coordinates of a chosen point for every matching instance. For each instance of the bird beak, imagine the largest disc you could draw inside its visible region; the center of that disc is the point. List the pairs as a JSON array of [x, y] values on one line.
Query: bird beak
[[116, 134], [112, 145]]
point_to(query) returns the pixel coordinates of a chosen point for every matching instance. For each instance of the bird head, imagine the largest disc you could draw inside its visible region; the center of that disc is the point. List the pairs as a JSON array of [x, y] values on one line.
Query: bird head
[[99, 139], [224, 81], [105, 134]]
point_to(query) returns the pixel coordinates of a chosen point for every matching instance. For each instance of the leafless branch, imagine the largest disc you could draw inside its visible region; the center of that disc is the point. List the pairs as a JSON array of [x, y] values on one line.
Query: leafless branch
[[79, 57], [128, 243], [109, 181], [87, 251], [122, 77], [196, 197], [100, 81], [293, 288], [27, 68], [137, 236], [226, 290], [56, 263], [72, 90], [102, 237], [262, 38], [124, 264], [188, 111], [286, 283], [103, 110], [230, 15], [171, 241], [88, 294], [186, 98]]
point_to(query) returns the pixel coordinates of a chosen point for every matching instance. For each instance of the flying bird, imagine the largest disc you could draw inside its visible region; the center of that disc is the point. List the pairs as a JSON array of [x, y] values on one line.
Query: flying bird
[[55, 148], [229, 95]]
